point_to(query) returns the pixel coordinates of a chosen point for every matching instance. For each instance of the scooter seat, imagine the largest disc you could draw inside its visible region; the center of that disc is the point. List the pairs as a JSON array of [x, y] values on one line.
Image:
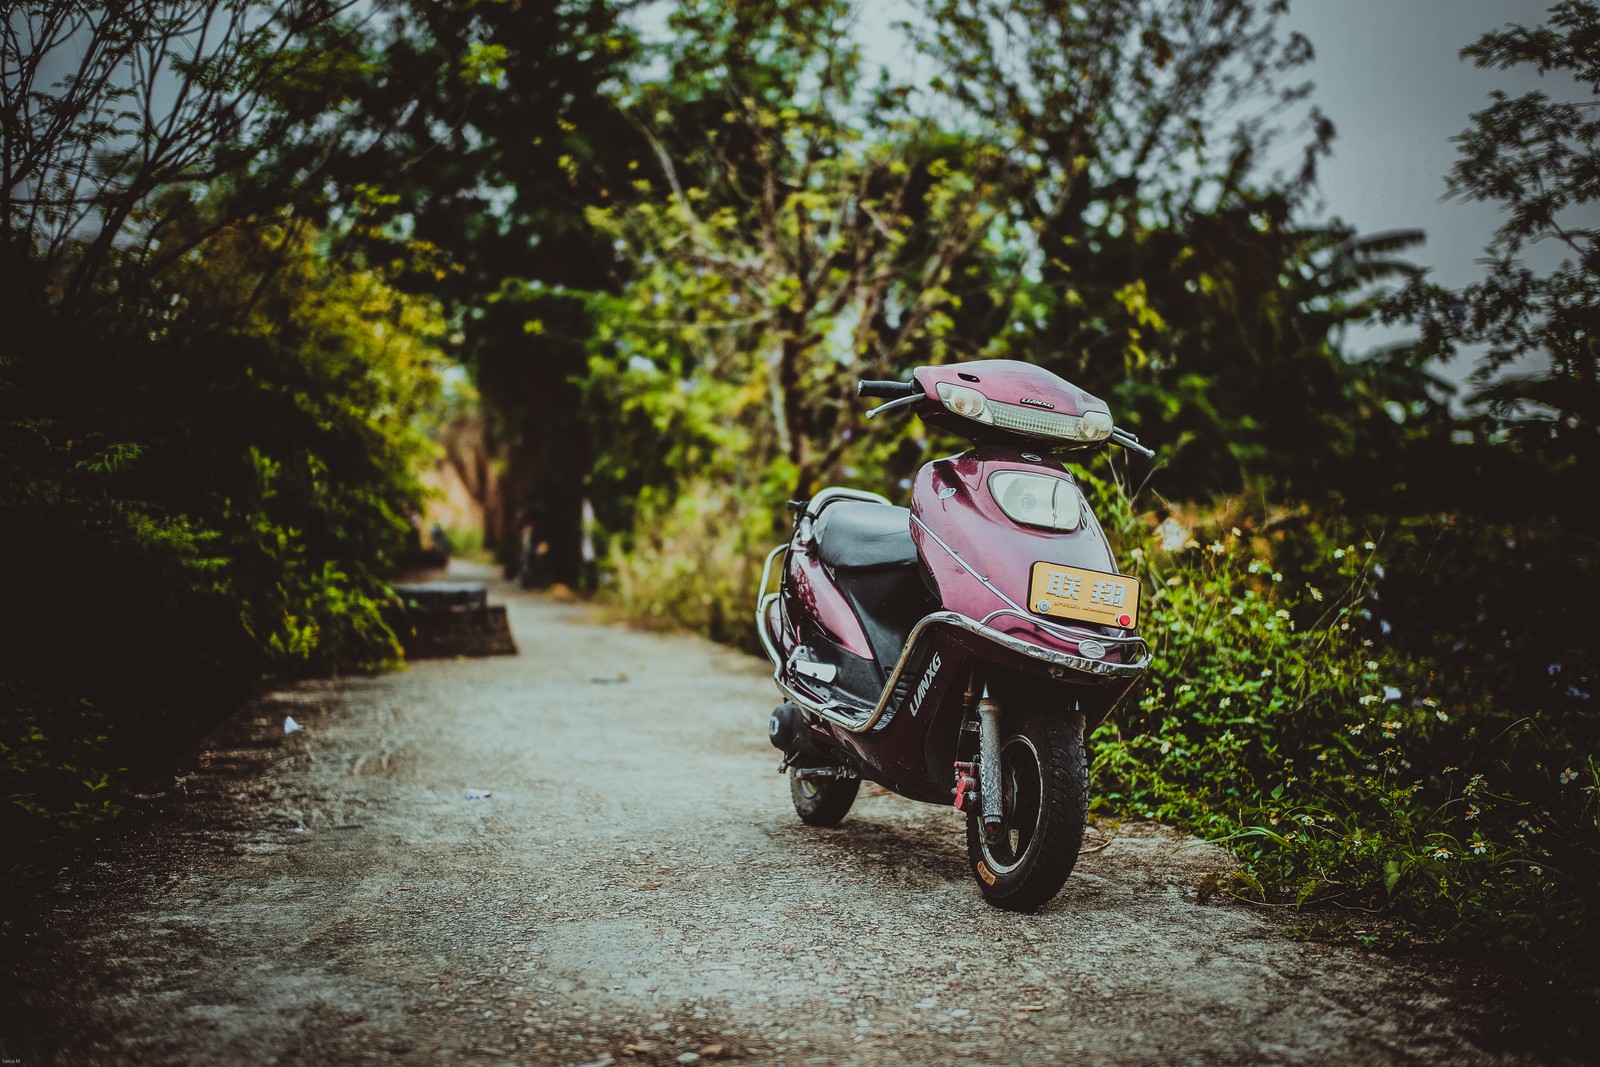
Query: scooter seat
[[852, 534]]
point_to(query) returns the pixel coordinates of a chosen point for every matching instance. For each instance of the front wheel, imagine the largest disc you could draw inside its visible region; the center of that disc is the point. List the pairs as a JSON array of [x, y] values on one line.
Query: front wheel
[[822, 801], [1044, 770]]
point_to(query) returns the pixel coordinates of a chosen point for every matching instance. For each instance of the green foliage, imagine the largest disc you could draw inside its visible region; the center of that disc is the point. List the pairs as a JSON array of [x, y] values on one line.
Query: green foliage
[[691, 563], [1538, 157], [790, 229], [120, 120], [197, 507], [1282, 721], [487, 130]]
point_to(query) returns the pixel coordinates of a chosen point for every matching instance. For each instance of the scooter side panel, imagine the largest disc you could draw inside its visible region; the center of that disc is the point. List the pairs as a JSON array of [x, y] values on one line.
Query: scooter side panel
[[818, 598], [914, 752], [936, 678]]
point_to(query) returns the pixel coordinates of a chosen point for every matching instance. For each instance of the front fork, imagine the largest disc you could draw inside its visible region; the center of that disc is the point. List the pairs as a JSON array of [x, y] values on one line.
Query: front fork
[[980, 779]]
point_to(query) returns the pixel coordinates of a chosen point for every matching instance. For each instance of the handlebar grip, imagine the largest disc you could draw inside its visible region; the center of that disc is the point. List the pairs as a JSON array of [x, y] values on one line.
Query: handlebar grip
[[888, 390]]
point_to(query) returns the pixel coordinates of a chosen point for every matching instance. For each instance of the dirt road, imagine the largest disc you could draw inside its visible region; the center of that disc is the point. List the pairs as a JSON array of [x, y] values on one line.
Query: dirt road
[[636, 889]]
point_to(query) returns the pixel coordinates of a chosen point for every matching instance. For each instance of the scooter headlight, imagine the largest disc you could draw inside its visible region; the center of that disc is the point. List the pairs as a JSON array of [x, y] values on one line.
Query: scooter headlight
[[968, 403], [1037, 499]]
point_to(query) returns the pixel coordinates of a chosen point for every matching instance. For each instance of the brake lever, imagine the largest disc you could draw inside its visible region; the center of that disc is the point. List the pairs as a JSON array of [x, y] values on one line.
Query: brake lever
[[1131, 443], [904, 401]]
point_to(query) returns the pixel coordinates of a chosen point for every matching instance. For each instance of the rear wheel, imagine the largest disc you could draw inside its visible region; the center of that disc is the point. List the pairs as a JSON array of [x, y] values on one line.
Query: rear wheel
[[822, 801], [1044, 770]]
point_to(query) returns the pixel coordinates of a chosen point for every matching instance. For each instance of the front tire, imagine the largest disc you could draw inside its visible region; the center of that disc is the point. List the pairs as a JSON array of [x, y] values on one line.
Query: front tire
[[822, 801], [1045, 771]]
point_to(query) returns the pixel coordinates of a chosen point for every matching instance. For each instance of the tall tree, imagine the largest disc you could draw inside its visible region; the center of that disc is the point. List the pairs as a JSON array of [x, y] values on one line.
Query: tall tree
[[798, 229], [1538, 157], [156, 106], [488, 132], [1161, 261], [208, 429]]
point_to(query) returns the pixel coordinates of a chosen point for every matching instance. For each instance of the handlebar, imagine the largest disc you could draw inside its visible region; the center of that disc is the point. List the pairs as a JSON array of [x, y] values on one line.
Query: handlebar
[[905, 394], [888, 390]]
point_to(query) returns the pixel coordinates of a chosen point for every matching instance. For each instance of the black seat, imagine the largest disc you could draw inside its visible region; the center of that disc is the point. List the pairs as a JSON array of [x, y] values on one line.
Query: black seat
[[870, 546], [851, 534]]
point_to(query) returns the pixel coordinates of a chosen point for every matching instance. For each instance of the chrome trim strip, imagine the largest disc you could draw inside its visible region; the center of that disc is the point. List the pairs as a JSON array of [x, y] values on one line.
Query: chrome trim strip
[[1070, 633], [851, 719], [766, 573], [969, 568], [814, 505]]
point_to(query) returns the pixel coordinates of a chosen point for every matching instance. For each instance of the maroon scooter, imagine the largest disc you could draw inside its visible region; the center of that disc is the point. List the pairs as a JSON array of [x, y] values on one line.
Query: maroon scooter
[[957, 652]]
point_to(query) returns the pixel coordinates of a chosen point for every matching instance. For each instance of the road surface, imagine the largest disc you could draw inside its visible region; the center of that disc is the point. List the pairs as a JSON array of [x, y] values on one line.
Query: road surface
[[636, 889]]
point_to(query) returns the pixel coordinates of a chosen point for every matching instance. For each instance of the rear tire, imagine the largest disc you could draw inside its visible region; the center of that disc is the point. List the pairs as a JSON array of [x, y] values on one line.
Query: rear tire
[[822, 801], [1045, 770]]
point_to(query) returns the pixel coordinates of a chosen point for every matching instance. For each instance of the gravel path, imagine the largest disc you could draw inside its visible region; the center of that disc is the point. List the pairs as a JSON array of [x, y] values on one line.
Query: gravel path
[[636, 889]]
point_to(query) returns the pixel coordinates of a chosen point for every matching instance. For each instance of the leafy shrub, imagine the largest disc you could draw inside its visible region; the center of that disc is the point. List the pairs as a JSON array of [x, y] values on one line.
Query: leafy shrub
[[694, 563], [1282, 720], [193, 502]]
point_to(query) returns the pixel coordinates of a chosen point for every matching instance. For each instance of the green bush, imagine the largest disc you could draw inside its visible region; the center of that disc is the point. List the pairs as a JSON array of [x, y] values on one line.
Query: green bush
[[1281, 719], [193, 502], [693, 563]]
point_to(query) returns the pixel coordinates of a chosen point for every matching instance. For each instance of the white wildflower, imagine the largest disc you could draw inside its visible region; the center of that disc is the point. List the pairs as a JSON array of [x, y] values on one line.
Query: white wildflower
[[1174, 535]]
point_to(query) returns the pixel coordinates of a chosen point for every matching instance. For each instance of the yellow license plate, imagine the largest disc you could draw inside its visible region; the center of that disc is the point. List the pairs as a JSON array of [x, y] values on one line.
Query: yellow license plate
[[1059, 592]]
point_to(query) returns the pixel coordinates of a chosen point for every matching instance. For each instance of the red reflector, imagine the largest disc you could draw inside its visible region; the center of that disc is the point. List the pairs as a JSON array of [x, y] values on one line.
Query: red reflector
[[1123, 620]]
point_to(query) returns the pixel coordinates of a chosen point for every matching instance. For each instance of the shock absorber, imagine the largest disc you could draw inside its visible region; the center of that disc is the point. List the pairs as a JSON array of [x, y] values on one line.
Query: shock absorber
[[990, 806]]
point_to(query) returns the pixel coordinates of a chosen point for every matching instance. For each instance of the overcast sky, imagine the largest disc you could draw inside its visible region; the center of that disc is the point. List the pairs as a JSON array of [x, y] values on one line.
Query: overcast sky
[[1388, 74]]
